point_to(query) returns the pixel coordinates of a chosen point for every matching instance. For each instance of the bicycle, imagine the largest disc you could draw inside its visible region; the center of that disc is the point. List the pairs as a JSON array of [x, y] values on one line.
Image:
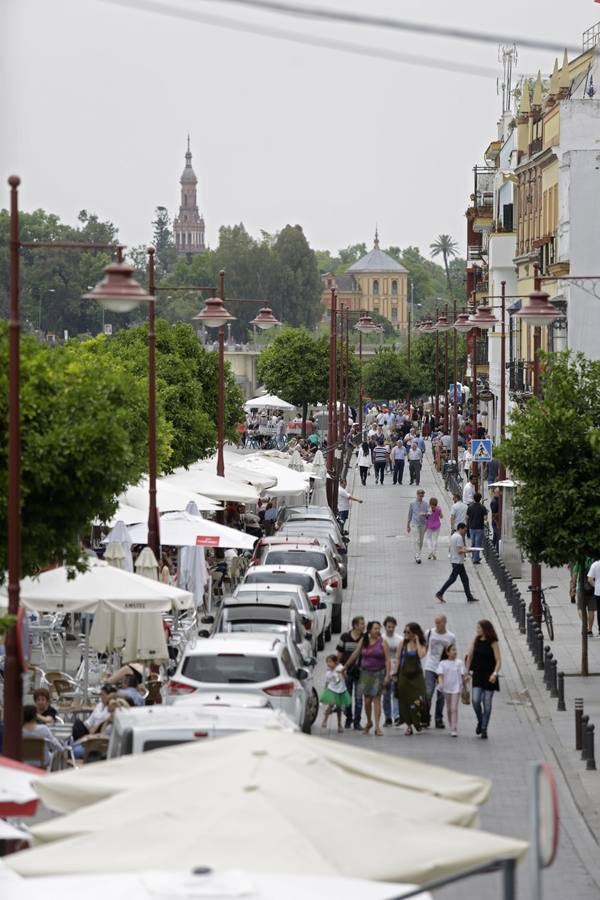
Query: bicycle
[[546, 614]]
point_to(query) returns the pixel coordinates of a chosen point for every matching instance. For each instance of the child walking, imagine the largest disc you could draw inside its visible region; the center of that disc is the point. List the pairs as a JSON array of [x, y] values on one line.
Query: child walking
[[335, 696], [452, 678], [432, 527]]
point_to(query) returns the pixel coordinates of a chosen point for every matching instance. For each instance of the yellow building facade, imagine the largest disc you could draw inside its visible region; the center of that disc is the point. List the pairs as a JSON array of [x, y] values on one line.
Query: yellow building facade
[[376, 283]]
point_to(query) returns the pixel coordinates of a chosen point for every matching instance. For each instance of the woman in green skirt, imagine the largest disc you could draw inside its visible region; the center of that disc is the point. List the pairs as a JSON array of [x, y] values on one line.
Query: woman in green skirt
[[335, 696], [412, 696]]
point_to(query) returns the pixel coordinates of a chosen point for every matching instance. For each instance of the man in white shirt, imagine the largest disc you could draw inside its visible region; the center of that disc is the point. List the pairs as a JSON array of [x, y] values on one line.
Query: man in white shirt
[[458, 512], [438, 640], [593, 577], [417, 522], [415, 458], [391, 710], [469, 491], [458, 552], [343, 503], [398, 458]]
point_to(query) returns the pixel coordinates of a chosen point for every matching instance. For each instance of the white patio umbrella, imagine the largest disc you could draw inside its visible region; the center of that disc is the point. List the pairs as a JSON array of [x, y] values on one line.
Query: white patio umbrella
[[146, 564], [68, 791], [208, 484], [124, 513], [152, 884], [296, 462], [145, 635], [168, 497], [268, 401], [236, 471], [192, 573], [184, 530], [245, 801], [319, 494], [119, 535], [17, 796], [109, 629]]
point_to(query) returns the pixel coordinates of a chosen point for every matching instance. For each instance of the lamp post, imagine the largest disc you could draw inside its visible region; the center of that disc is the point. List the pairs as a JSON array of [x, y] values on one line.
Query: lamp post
[[331, 404], [365, 325], [124, 293], [443, 326], [538, 312]]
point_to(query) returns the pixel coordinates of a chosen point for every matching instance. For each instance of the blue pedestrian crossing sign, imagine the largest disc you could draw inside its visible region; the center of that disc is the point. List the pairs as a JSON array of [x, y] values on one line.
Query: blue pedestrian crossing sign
[[481, 450]]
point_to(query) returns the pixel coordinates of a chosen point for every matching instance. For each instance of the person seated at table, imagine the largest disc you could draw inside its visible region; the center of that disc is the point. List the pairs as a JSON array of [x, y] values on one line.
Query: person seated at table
[[92, 724], [129, 691], [46, 714], [33, 729], [104, 729]]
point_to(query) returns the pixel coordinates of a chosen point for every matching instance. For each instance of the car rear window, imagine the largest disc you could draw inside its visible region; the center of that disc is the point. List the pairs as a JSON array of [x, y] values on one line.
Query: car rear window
[[230, 668], [310, 558], [305, 581], [257, 627], [261, 596]]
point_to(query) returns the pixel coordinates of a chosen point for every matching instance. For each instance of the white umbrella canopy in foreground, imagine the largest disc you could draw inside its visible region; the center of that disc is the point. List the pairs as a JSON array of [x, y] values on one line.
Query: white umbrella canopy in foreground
[[100, 585], [168, 498], [183, 530], [268, 401], [209, 484], [234, 819], [157, 884], [68, 791], [279, 781]]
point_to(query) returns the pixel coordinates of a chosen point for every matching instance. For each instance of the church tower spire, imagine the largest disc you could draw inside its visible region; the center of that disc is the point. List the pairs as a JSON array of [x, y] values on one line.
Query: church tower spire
[[188, 226]]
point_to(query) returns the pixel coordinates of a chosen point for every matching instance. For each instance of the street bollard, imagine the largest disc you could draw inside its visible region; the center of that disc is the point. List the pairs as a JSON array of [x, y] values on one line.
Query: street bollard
[[582, 737], [530, 631], [553, 678], [560, 706], [547, 658], [590, 762], [522, 617], [539, 637], [578, 704]]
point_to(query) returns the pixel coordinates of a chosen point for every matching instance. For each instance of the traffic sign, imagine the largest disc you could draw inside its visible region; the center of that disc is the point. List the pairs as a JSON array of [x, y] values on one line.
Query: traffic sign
[[481, 450]]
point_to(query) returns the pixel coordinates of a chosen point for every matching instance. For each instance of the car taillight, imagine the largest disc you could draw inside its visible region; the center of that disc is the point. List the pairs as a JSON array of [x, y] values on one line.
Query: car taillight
[[307, 624], [201, 734], [315, 600], [332, 582], [178, 687], [281, 690]]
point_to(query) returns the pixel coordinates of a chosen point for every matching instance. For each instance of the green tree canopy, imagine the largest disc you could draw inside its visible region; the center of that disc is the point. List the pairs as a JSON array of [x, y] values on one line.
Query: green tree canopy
[[386, 376], [83, 440]]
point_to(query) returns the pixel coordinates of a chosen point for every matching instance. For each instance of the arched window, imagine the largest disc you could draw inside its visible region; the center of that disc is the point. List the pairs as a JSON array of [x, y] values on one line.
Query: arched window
[[394, 288], [375, 286]]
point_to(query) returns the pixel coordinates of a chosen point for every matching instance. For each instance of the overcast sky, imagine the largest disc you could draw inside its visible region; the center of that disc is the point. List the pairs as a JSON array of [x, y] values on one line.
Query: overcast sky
[[97, 100]]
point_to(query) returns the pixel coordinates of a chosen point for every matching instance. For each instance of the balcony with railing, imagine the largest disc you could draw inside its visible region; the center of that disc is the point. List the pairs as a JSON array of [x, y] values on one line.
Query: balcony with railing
[[519, 385], [483, 190], [481, 351]]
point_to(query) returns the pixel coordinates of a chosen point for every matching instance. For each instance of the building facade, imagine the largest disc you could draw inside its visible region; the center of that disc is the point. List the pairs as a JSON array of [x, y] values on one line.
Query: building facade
[[188, 226], [376, 283]]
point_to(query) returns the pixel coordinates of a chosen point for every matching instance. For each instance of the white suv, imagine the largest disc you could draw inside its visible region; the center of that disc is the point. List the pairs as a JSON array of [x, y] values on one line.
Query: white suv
[[248, 663]]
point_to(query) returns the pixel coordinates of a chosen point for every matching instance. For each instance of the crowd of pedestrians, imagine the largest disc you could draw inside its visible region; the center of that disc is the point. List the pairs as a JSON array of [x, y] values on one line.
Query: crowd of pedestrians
[[410, 675]]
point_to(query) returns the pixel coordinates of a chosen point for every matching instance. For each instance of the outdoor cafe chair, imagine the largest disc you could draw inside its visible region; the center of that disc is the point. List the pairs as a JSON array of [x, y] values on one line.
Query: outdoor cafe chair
[[33, 751]]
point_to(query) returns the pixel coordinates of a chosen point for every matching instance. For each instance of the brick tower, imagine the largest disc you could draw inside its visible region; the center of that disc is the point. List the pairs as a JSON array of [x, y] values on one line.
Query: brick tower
[[188, 226]]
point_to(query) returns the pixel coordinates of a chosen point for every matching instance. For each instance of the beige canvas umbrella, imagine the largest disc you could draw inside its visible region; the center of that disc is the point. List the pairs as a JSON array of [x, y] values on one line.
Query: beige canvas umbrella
[[68, 791], [145, 636], [226, 810]]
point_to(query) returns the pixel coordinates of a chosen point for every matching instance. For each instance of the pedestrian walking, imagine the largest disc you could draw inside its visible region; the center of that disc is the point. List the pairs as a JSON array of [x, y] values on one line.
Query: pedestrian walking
[[399, 455], [374, 665], [380, 459], [496, 511], [364, 462], [458, 551], [335, 696], [452, 680], [458, 512], [390, 699], [468, 494], [591, 592], [438, 640], [344, 498], [433, 524], [484, 663], [418, 511], [476, 521], [348, 642], [412, 696], [415, 460]]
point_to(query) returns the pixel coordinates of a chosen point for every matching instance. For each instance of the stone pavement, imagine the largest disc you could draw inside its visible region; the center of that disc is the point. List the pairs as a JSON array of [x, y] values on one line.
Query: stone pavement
[[524, 728]]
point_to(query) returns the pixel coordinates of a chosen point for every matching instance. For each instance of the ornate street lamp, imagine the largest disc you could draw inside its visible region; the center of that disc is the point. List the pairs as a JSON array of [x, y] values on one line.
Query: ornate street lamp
[[119, 291], [214, 315], [265, 319]]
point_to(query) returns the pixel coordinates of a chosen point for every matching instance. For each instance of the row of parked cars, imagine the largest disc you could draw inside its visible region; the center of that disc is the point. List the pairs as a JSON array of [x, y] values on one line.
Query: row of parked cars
[[252, 665]]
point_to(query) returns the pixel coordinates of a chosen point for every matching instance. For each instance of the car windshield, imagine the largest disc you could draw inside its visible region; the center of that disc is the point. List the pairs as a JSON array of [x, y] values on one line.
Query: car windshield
[[262, 596], [310, 558], [258, 627], [230, 668], [286, 577]]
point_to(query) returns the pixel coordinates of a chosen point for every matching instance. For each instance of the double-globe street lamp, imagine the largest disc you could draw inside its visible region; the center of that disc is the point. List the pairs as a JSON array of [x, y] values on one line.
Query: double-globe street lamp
[[365, 325], [214, 314], [120, 292]]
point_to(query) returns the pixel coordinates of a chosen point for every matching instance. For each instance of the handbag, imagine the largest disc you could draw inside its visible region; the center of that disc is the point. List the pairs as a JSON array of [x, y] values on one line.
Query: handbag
[[465, 696]]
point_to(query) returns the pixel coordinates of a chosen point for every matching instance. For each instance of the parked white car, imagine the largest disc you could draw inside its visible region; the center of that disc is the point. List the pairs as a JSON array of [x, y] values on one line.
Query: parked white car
[[252, 664], [281, 594]]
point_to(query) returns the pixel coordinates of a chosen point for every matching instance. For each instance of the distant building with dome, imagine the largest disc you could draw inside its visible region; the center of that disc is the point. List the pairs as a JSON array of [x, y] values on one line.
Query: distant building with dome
[[375, 283], [188, 226]]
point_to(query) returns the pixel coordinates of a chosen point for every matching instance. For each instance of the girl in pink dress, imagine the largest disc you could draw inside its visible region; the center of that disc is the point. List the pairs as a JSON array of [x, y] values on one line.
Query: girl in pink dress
[[433, 525]]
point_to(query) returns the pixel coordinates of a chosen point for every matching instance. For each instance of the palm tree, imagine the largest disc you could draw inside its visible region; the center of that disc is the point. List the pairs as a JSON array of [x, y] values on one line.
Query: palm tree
[[448, 248]]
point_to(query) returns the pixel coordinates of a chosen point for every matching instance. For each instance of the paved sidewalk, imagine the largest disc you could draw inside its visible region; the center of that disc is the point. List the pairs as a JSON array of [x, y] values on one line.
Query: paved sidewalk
[[384, 579]]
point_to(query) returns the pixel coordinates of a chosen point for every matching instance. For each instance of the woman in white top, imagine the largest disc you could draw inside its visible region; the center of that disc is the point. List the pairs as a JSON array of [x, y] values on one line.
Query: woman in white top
[[452, 678], [364, 461]]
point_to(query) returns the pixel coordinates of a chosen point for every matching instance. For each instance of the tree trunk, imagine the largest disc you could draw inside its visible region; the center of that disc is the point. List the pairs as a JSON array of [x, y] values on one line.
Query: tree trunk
[[304, 415], [448, 275], [583, 609]]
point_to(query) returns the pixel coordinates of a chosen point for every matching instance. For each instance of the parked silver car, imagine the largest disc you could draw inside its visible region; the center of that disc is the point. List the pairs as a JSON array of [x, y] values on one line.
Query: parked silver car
[[281, 594]]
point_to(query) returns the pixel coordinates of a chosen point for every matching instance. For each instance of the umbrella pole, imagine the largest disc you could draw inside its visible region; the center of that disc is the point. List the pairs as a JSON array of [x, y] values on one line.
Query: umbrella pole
[[86, 662]]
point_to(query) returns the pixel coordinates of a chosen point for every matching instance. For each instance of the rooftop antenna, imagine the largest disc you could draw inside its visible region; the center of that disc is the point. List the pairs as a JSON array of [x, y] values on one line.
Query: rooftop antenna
[[508, 57]]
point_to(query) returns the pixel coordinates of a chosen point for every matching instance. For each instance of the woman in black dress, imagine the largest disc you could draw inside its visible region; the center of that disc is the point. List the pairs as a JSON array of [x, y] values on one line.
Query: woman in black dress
[[484, 663]]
